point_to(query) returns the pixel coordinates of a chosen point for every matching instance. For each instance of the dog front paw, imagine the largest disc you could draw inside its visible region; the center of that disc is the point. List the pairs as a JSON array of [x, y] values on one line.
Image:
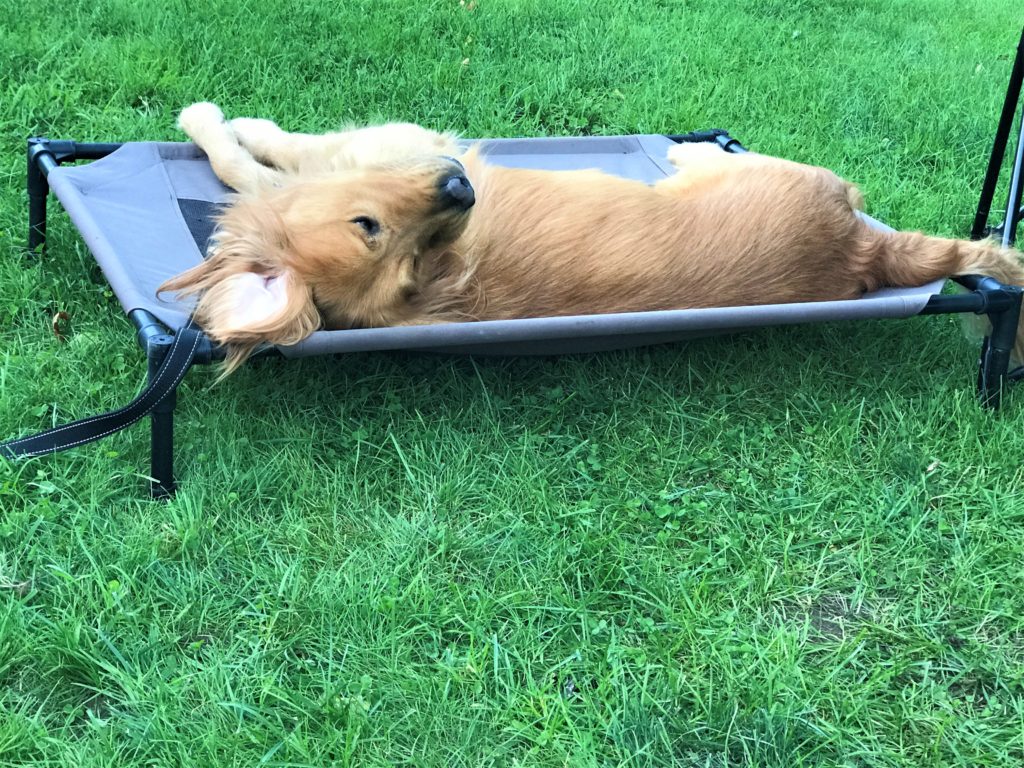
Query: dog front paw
[[197, 118]]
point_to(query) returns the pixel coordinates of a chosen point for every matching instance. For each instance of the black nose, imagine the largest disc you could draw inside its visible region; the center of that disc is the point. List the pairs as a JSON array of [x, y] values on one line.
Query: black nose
[[456, 192]]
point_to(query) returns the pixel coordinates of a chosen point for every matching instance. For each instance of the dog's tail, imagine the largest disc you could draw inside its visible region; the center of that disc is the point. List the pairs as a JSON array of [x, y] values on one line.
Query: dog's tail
[[911, 258]]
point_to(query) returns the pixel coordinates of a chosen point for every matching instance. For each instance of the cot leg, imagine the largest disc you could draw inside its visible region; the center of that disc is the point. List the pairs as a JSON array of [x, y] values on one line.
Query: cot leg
[[161, 426], [995, 353], [38, 189]]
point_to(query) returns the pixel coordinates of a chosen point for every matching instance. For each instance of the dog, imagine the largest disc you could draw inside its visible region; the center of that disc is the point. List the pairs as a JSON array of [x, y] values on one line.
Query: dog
[[397, 225]]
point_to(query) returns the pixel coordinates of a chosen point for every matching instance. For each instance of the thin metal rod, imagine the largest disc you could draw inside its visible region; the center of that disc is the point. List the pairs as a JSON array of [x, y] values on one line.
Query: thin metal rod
[[995, 160], [94, 151], [714, 135], [1016, 184]]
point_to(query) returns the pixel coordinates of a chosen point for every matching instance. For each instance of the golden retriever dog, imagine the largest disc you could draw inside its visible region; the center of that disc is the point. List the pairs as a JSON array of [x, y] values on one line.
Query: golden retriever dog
[[395, 225]]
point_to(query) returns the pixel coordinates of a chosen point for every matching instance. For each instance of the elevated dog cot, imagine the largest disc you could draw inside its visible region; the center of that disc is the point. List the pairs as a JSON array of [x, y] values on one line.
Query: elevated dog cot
[[144, 210]]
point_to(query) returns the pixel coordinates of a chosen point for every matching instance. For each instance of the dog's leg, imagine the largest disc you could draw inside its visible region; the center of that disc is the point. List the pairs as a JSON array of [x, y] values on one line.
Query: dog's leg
[[204, 124], [340, 150], [271, 145], [703, 165]]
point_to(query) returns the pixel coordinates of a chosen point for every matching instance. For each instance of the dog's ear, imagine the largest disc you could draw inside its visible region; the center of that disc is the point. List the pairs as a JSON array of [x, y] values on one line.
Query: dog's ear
[[251, 306], [247, 295], [243, 309]]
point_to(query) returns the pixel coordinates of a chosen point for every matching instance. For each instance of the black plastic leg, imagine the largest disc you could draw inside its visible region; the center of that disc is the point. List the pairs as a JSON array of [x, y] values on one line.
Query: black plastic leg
[[161, 422], [38, 189], [995, 353]]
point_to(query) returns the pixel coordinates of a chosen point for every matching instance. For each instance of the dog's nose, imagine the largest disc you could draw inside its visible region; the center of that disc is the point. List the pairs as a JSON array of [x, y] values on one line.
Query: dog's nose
[[456, 192]]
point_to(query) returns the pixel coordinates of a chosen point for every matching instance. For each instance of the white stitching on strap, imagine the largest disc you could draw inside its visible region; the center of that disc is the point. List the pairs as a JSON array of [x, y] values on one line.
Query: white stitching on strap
[[163, 369]]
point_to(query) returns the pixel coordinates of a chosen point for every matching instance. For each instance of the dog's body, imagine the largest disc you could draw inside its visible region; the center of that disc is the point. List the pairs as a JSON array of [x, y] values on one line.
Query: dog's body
[[378, 227]]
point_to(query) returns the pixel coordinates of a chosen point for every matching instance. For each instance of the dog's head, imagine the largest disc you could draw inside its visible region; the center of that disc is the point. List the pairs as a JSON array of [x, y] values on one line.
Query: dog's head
[[353, 249]]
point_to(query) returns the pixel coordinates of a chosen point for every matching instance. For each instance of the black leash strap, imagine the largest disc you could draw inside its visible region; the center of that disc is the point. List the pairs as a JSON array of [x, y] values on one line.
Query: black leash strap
[[176, 363]]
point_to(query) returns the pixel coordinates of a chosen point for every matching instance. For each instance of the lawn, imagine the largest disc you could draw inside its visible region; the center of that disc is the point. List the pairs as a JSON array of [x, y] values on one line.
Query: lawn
[[796, 547]]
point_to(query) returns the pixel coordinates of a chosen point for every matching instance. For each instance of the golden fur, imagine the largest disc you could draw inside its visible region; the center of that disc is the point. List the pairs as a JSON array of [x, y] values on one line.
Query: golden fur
[[726, 230]]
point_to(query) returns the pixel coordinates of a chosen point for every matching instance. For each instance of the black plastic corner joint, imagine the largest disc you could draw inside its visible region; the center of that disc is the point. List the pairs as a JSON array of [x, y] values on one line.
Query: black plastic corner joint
[[156, 339], [61, 150], [995, 296], [157, 346]]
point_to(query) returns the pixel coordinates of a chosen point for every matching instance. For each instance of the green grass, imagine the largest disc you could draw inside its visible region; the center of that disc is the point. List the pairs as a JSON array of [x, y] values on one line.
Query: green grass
[[795, 547]]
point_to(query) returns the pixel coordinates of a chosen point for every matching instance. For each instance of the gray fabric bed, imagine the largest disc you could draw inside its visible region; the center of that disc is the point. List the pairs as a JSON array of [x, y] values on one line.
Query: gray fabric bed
[[144, 213]]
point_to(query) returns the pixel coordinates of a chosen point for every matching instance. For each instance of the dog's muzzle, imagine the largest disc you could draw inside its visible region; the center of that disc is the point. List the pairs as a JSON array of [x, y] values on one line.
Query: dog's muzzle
[[456, 192]]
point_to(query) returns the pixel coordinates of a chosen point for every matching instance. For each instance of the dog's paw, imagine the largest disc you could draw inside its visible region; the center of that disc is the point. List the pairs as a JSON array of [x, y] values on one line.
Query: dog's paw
[[196, 118]]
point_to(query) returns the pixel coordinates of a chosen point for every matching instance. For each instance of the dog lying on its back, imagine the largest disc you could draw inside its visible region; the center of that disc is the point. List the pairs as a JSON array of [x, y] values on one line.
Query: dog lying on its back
[[384, 226]]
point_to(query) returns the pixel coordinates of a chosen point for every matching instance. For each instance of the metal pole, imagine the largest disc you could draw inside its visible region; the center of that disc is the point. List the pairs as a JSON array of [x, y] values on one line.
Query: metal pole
[[995, 160], [1016, 184]]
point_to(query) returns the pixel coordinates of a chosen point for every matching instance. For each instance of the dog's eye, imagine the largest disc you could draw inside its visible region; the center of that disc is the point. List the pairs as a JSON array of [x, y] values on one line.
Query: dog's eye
[[370, 226]]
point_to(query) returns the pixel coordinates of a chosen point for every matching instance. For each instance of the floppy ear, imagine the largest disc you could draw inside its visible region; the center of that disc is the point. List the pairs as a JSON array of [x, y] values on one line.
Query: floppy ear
[[246, 295]]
